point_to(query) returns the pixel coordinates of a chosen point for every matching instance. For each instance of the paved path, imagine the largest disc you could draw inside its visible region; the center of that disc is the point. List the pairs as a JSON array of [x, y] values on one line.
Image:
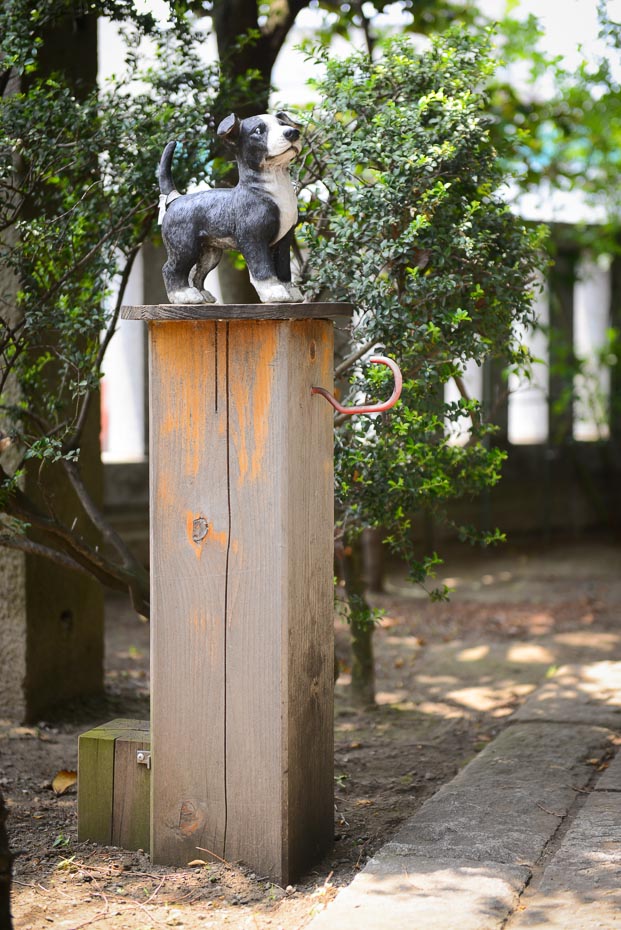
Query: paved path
[[525, 837]]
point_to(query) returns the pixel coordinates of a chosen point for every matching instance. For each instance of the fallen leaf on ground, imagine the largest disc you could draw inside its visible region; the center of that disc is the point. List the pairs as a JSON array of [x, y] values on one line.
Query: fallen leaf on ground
[[23, 733], [63, 780]]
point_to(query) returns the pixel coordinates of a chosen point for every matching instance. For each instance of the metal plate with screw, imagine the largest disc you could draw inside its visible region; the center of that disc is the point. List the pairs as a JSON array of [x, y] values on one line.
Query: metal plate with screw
[[143, 757]]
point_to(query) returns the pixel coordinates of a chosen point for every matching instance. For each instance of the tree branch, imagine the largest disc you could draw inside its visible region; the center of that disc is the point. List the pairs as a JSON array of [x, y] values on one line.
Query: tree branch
[[23, 544], [463, 391], [109, 235], [8, 221], [354, 357], [129, 561], [366, 27], [133, 578]]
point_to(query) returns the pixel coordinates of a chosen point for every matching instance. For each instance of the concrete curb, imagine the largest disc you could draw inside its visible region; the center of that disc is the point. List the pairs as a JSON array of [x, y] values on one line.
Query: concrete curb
[[467, 856], [581, 885]]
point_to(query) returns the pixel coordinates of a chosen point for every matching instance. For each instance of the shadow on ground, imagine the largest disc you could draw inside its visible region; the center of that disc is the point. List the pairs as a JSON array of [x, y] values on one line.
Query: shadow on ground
[[448, 678]]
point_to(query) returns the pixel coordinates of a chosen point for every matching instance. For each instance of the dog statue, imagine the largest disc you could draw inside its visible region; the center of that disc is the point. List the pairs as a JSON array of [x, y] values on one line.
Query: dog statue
[[257, 217]]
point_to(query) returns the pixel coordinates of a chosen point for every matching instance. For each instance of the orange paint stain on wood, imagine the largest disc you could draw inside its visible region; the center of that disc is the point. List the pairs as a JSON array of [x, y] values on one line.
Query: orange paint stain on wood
[[199, 621], [240, 394], [165, 490], [194, 436], [183, 355], [251, 393], [221, 538]]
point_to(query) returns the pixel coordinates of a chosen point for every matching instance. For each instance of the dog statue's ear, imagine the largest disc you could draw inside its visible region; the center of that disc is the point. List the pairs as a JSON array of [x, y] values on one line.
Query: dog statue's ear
[[285, 118], [229, 128]]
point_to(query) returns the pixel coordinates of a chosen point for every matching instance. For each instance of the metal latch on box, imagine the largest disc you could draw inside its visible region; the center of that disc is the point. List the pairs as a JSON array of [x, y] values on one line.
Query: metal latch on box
[[143, 757]]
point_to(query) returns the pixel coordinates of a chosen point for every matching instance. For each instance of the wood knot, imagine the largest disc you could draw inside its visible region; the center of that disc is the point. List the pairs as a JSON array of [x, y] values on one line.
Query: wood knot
[[200, 528], [191, 817]]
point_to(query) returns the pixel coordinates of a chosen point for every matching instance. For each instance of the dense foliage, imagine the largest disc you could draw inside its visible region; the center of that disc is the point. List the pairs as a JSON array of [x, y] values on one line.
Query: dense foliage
[[406, 220], [77, 199]]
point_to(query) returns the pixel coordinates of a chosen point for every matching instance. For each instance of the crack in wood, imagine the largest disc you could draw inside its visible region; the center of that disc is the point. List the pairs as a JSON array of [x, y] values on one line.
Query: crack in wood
[[226, 577], [216, 364]]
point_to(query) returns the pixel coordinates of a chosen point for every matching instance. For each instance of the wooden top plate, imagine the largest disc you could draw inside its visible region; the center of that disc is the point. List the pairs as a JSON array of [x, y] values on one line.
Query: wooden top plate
[[284, 311]]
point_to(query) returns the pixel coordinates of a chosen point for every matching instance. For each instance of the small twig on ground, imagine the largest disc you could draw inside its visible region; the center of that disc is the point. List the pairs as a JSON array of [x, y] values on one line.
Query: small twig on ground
[[362, 853], [107, 870], [150, 898], [215, 855], [55, 890], [581, 790]]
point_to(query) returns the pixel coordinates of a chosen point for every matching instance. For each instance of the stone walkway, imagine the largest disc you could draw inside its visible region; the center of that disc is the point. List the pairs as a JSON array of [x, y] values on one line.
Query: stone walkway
[[528, 835]]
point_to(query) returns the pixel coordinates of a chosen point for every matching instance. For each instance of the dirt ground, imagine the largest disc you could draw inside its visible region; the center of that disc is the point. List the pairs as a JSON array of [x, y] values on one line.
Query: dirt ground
[[448, 678]]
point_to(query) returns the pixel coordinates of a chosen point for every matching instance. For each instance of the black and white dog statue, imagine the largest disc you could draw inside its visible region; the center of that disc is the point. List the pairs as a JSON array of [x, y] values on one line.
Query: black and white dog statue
[[257, 217]]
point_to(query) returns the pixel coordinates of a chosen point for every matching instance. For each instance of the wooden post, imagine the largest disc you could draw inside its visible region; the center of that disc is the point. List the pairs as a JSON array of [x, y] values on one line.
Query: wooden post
[[562, 281], [242, 591]]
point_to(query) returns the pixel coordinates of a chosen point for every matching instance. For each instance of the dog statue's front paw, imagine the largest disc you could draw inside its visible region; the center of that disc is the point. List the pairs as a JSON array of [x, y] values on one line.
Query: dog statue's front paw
[[272, 291], [208, 296], [187, 295]]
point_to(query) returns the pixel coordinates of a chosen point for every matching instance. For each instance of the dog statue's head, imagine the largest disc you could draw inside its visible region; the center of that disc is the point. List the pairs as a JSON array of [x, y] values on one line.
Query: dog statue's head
[[262, 141]]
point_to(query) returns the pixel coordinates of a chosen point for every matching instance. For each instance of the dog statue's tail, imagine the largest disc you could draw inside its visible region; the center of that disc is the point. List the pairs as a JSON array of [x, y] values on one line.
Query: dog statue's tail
[[168, 191]]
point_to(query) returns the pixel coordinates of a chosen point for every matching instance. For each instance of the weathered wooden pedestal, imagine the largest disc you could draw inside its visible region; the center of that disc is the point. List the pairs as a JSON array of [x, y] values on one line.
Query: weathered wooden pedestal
[[242, 593]]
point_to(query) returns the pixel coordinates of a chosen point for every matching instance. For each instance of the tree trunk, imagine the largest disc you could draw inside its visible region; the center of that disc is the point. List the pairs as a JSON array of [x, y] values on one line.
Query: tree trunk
[[363, 666], [373, 553], [235, 19], [6, 863], [51, 641]]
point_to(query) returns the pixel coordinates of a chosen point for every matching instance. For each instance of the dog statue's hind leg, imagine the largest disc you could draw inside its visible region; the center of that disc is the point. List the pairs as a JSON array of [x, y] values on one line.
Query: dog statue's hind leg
[[176, 282], [207, 261]]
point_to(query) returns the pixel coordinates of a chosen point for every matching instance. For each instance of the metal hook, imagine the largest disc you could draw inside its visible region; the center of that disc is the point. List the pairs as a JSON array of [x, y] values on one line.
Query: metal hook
[[369, 408]]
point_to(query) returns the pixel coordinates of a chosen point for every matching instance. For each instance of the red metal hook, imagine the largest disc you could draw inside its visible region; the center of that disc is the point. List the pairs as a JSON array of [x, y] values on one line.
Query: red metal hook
[[369, 408]]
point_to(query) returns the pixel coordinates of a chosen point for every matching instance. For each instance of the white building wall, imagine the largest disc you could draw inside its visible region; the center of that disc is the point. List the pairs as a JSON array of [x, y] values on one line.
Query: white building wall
[[528, 396], [122, 391]]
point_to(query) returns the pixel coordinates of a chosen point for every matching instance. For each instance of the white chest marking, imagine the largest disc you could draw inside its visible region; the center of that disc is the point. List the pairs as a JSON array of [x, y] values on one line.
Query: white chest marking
[[278, 183]]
